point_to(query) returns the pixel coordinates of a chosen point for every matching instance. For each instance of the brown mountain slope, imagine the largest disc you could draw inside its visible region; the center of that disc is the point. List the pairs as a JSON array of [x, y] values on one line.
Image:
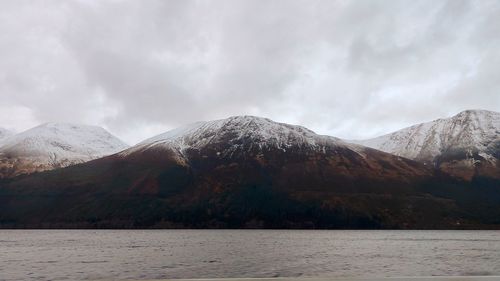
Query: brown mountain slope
[[241, 172]]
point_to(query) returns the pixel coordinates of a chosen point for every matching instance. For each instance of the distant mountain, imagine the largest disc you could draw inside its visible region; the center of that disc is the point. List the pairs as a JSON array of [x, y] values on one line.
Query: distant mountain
[[244, 172], [465, 145], [55, 145]]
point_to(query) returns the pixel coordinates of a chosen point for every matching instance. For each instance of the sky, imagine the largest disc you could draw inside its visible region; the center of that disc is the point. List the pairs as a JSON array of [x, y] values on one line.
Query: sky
[[351, 69]]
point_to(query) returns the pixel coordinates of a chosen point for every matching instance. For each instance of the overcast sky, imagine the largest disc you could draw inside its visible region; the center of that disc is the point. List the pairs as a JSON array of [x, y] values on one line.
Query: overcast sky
[[352, 69]]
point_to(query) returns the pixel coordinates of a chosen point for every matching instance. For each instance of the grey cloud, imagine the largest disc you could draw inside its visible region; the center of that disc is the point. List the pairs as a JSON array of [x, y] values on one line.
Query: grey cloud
[[348, 68]]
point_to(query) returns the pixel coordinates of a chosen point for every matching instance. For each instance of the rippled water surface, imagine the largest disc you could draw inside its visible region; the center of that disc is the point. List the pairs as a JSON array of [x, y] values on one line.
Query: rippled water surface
[[149, 254]]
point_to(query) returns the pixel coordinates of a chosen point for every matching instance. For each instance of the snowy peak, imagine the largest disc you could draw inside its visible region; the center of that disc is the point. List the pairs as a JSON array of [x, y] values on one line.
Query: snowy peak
[[64, 140], [476, 125], [53, 145], [470, 138], [238, 132], [470, 129]]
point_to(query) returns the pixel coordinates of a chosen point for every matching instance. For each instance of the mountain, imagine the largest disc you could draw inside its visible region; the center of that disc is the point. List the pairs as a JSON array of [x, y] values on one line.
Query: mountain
[[245, 172], [465, 145], [238, 134], [248, 139], [55, 145]]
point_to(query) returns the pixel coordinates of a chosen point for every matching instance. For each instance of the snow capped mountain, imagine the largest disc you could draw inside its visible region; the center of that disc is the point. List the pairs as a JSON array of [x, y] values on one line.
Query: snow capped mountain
[[257, 144], [237, 133], [468, 139], [55, 145]]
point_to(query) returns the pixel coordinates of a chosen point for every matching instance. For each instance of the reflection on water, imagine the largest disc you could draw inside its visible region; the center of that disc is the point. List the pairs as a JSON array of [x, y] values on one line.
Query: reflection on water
[[149, 254]]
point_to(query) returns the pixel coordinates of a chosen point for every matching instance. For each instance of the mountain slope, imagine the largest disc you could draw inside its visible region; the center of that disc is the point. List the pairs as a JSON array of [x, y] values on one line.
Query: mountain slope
[[55, 145], [245, 138], [240, 172], [465, 145]]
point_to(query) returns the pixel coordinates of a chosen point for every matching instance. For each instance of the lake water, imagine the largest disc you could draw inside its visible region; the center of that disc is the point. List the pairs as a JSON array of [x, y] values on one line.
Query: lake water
[[150, 254]]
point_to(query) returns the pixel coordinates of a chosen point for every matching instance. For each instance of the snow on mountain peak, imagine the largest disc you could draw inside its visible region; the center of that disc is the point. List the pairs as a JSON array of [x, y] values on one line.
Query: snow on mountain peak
[[61, 144], [235, 131], [469, 130]]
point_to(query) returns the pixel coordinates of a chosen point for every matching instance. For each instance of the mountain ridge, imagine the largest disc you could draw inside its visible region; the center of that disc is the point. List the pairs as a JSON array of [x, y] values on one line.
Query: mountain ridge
[[263, 131], [219, 174], [55, 145], [249, 172], [464, 145]]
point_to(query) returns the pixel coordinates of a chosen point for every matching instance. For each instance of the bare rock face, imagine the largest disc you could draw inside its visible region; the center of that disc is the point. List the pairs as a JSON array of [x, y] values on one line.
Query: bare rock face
[[55, 145], [465, 145]]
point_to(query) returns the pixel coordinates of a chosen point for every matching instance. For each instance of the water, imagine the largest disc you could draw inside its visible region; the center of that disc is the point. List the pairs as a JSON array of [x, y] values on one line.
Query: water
[[150, 254]]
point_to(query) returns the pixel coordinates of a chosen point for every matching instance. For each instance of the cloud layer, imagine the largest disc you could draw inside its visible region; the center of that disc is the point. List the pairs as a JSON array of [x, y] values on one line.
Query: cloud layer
[[353, 69]]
